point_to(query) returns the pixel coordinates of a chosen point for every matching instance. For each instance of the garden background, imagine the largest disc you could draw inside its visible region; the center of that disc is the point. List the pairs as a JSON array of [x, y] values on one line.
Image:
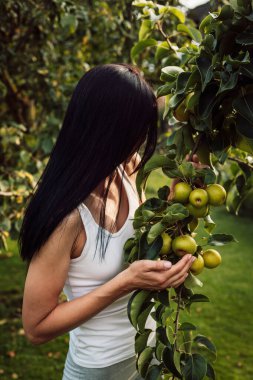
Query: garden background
[[46, 46]]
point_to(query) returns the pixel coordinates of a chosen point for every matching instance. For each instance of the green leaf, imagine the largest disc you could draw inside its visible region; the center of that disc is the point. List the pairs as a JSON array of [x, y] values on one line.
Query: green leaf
[[163, 297], [221, 239], [229, 84], [150, 251], [145, 29], [207, 174], [205, 23], [203, 340], [159, 350], [140, 46], [209, 42], [141, 340], [170, 73], [175, 100], [142, 318], [187, 326], [209, 356], [163, 192], [157, 161], [205, 67], [129, 244], [242, 142], [174, 213], [154, 204], [199, 298], [195, 367], [187, 169], [144, 360], [162, 51], [244, 106], [168, 360], [208, 100], [240, 61], [192, 101], [166, 105], [210, 372], [192, 32], [182, 81], [133, 255], [192, 281], [168, 312], [147, 214], [161, 333], [164, 90], [178, 13], [209, 224], [155, 231], [226, 13], [154, 372], [193, 80], [135, 303]]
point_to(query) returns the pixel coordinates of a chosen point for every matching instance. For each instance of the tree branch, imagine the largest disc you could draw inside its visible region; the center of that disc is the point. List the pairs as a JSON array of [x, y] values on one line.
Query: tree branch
[[241, 162]]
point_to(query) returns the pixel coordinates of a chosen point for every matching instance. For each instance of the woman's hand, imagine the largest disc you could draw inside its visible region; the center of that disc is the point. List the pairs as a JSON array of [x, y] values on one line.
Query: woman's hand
[[159, 274]]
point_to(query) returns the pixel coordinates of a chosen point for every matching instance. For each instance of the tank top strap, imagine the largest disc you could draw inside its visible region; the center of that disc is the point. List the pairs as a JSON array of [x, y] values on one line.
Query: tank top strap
[[85, 214]]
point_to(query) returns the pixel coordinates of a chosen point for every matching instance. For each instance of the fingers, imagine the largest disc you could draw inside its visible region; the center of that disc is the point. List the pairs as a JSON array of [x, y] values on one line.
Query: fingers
[[195, 162], [181, 265], [194, 158], [158, 265], [199, 165], [179, 281], [178, 273]]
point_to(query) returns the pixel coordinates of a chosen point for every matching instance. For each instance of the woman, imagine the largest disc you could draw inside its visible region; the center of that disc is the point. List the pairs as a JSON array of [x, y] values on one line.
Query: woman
[[78, 219]]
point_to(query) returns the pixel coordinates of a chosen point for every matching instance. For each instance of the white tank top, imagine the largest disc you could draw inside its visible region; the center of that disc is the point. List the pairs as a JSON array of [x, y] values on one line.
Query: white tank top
[[108, 337]]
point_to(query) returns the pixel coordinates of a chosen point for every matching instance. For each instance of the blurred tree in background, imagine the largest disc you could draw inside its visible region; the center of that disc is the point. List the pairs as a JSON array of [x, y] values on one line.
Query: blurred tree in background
[[46, 46]]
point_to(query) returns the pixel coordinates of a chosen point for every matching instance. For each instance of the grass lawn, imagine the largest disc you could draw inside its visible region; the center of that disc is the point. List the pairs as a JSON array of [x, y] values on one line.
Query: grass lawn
[[227, 320]]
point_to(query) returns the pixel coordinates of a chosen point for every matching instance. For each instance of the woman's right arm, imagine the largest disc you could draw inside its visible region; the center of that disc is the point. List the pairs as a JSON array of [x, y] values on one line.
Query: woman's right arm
[[44, 318]]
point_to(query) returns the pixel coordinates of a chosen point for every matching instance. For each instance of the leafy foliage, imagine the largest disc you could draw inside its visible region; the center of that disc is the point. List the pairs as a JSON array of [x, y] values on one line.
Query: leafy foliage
[[207, 82], [206, 75], [46, 47]]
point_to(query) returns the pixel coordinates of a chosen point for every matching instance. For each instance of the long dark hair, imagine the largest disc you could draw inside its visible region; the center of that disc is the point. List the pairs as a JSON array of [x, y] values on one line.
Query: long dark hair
[[112, 112]]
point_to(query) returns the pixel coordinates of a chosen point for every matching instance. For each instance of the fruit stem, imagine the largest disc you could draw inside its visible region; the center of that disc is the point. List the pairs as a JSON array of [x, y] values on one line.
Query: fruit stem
[[179, 229], [177, 316]]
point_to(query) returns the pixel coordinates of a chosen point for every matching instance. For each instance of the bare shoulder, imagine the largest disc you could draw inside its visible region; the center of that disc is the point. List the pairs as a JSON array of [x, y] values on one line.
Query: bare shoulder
[[63, 238]]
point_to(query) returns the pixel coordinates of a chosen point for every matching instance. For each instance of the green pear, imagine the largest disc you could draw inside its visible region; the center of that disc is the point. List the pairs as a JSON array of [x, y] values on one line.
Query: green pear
[[198, 198], [197, 265], [212, 258], [184, 244], [216, 194], [166, 243], [182, 190], [197, 212]]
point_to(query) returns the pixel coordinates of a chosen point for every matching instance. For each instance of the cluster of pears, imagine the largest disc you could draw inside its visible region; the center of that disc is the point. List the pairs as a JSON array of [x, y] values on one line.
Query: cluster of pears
[[198, 202]]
